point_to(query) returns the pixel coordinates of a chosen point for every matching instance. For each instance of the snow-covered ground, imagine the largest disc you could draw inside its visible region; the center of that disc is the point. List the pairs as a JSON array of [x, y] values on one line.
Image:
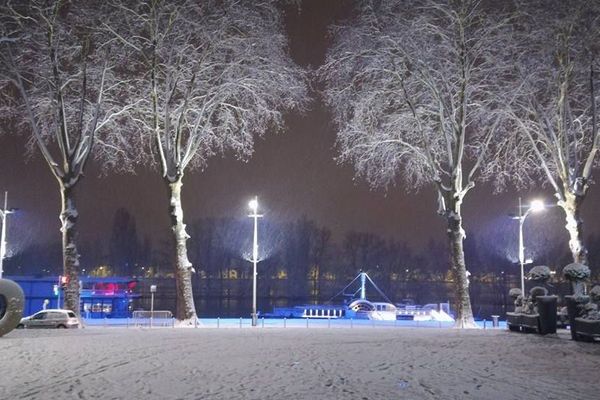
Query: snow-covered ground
[[295, 363]]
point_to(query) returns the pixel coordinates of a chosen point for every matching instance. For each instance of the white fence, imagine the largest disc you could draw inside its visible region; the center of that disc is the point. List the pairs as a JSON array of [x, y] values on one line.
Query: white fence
[[143, 320], [153, 318]]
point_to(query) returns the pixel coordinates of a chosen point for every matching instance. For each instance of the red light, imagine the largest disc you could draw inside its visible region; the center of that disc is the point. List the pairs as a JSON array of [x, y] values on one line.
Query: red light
[[64, 280]]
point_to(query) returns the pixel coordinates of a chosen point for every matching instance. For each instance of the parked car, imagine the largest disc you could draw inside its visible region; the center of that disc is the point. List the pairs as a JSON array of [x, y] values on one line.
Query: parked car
[[50, 319]]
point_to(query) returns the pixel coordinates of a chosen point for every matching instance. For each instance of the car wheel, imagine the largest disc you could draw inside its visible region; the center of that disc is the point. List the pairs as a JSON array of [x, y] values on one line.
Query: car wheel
[[20, 326], [13, 299], [61, 326]]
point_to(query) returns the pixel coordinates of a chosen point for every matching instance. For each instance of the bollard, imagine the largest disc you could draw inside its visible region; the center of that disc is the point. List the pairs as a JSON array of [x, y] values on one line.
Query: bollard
[[395, 323], [240, 322], [218, 320], [195, 322], [173, 322], [328, 322], [263, 322], [307, 322], [284, 322], [495, 321], [484, 323]]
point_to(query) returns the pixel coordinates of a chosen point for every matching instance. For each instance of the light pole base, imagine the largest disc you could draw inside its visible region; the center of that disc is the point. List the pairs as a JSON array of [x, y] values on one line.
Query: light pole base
[[254, 320]]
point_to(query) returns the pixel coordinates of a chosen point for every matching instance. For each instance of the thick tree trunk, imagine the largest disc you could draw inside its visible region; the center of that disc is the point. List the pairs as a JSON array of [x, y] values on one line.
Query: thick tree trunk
[[186, 310], [578, 288], [68, 219], [462, 300], [572, 206]]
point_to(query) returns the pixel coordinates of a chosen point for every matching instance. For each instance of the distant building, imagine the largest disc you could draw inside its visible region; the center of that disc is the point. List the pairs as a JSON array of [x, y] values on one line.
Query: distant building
[[111, 297]]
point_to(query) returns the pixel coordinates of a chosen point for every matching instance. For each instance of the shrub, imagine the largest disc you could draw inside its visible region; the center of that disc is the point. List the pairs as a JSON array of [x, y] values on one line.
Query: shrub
[[539, 273], [590, 311], [514, 293], [593, 315], [537, 291], [576, 272], [595, 294]]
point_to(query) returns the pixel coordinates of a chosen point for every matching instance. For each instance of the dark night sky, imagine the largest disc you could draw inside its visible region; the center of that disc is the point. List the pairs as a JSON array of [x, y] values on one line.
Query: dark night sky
[[293, 173]]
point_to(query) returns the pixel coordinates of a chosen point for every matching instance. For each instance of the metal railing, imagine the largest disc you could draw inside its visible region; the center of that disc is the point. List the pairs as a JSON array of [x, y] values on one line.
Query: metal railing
[[165, 320], [152, 318]]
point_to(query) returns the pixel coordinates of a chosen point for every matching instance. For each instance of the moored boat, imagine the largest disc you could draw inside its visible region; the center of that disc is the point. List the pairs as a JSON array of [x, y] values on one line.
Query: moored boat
[[359, 307]]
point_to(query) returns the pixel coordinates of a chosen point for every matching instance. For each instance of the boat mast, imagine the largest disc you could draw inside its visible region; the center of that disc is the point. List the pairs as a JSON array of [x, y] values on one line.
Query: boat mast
[[363, 289]]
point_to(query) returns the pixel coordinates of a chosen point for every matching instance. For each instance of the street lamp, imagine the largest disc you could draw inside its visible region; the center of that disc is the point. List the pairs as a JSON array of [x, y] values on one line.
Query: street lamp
[[534, 206], [152, 291], [3, 213], [253, 204]]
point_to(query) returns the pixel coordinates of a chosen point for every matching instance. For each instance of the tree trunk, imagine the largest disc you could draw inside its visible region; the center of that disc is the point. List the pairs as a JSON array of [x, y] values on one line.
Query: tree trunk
[[68, 219], [462, 300], [572, 207], [186, 310], [318, 282], [578, 288]]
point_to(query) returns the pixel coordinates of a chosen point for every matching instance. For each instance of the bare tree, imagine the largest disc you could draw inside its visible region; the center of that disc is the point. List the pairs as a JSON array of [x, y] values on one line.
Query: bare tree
[[555, 115], [413, 88], [57, 83], [124, 246], [320, 243], [211, 75], [364, 251], [297, 255]]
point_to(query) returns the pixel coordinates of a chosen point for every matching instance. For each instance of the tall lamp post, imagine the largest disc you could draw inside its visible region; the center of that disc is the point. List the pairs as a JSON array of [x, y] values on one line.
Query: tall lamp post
[[254, 208], [3, 213], [534, 206], [152, 291]]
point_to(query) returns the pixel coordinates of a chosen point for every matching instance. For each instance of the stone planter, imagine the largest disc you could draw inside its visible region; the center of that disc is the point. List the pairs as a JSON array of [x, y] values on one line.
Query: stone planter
[[530, 323], [573, 315], [519, 322], [513, 321], [587, 329], [543, 323]]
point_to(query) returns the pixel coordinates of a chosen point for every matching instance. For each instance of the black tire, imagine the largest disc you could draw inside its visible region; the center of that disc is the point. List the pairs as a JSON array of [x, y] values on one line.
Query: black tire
[[61, 326], [20, 326], [14, 299]]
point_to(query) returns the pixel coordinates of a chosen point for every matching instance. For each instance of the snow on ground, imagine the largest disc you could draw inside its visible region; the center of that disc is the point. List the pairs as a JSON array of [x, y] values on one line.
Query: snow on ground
[[295, 363]]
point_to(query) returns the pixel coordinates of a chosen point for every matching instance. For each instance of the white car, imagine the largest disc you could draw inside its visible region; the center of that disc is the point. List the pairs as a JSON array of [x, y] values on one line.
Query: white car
[[50, 319]]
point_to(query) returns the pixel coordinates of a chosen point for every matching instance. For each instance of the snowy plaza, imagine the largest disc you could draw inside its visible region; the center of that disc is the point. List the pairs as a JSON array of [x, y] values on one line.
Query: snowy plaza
[[295, 363]]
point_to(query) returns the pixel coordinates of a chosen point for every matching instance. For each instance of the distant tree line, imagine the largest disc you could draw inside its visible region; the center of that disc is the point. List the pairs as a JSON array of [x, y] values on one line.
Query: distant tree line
[[300, 252]]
